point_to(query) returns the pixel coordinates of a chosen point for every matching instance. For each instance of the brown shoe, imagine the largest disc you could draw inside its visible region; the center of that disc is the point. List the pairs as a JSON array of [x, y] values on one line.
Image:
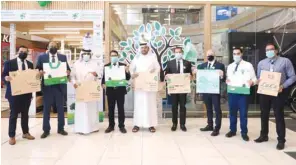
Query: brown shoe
[[12, 141], [28, 136]]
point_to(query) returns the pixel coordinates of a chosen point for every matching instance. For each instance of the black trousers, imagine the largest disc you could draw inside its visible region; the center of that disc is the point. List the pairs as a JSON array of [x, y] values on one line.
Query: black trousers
[[277, 104], [179, 99], [211, 100], [116, 98], [19, 104]]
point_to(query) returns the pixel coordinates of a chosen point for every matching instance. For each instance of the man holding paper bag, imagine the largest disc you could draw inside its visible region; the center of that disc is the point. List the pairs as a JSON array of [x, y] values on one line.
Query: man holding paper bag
[[116, 74], [240, 77], [145, 105], [283, 67], [55, 89], [178, 66], [20, 103], [86, 113]]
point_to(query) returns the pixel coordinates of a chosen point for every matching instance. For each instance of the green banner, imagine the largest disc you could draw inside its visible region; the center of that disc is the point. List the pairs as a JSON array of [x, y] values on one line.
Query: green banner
[[55, 81], [116, 83]]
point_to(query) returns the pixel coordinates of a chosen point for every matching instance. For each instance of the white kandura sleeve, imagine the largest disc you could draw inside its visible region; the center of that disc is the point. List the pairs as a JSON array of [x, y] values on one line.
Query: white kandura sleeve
[[73, 75], [156, 65], [132, 67]]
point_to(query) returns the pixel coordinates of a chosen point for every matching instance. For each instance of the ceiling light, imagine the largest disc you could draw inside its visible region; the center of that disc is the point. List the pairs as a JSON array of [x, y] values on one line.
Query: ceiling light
[[67, 39], [167, 19], [155, 11], [53, 32], [68, 28], [154, 16], [74, 44], [80, 37]]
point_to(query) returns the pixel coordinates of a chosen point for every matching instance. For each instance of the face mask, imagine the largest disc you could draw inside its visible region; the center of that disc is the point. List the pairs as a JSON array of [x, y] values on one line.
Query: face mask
[[270, 54], [210, 58], [86, 58], [236, 59], [179, 56], [53, 50], [114, 59], [23, 55]]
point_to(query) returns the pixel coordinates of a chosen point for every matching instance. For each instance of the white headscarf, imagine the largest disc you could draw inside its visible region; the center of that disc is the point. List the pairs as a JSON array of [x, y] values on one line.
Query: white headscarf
[[85, 51]]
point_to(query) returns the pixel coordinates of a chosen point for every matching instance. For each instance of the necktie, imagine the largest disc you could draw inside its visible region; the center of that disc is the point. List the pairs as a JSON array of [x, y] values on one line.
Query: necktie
[[23, 65], [209, 64], [179, 67], [52, 59], [236, 67]]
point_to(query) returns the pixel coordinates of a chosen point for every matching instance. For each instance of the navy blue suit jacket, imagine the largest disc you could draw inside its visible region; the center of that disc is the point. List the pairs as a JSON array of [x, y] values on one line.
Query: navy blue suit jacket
[[11, 66], [217, 65], [44, 58]]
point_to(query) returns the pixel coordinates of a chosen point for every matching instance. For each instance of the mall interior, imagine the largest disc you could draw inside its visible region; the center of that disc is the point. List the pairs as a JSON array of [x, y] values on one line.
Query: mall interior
[[116, 25]]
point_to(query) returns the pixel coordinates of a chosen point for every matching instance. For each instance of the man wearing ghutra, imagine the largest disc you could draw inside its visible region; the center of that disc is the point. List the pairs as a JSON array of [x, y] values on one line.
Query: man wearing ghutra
[[145, 104], [86, 113]]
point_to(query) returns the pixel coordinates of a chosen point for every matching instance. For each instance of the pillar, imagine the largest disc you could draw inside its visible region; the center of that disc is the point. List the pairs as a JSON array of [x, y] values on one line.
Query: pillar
[[12, 41]]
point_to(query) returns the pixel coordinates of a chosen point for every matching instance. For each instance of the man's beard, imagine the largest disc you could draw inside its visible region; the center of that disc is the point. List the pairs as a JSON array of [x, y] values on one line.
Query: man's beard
[[144, 53]]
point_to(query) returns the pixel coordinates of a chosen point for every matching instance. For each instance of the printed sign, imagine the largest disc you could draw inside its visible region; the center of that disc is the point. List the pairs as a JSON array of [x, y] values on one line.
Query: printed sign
[[269, 83]]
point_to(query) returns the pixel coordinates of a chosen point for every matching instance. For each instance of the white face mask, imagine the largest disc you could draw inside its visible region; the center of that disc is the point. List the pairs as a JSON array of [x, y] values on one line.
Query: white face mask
[[86, 58], [179, 56]]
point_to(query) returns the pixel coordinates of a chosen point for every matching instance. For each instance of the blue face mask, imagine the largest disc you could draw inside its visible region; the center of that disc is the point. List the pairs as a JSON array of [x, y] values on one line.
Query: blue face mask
[[237, 59], [270, 54], [114, 59]]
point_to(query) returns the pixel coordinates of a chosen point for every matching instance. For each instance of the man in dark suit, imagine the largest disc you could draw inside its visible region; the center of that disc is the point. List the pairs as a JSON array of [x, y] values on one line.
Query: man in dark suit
[[20, 103], [116, 95], [178, 66], [53, 93], [211, 100]]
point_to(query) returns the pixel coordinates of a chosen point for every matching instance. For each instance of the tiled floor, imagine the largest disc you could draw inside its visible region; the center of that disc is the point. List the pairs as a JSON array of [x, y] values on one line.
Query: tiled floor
[[143, 148]]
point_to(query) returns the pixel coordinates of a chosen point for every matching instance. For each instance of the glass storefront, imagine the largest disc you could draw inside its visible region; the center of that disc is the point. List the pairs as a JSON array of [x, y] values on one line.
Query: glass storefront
[[249, 28]]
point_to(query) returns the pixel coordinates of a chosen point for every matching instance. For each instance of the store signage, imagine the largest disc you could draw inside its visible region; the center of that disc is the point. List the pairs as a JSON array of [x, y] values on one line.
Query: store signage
[[51, 15], [225, 12], [5, 38]]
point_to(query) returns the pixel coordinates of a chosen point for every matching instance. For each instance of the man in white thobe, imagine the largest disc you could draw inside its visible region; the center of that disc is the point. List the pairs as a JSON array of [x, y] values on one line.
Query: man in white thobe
[[86, 113], [145, 103]]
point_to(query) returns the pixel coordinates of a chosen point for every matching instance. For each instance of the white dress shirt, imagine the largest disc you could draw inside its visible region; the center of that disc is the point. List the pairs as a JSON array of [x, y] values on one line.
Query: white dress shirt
[[210, 64], [20, 63], [244, 73], [181, 67], [55, 63]]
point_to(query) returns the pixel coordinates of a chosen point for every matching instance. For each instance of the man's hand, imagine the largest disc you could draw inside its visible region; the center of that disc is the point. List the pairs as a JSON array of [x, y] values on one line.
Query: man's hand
[[250, 82], [135, 75], [227, 81], [127, 69], [152, 71], [75, 86], [41, 73], [194, 70], [104, 86], [94, 74], [258, 81], [281, 89], [8, 78], [68, 72], [221, 73]]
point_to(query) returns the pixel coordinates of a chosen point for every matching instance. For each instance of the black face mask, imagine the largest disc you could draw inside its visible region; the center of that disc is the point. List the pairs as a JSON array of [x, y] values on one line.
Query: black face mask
[[23, 55], [53, 50], [210, 58]]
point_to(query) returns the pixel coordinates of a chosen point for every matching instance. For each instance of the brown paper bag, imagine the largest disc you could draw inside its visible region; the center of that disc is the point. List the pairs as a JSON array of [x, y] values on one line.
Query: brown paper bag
[[162, 90], [24, 82], [88, 91], [146, 82], [178, 83], [269, 83]]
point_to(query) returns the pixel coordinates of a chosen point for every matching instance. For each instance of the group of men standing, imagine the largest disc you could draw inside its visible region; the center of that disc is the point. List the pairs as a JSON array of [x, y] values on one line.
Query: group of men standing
[[145, 106]]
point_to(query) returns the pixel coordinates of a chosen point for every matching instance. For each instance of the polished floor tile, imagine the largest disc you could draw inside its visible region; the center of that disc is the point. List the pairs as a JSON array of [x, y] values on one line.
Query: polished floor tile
[[144, 148]]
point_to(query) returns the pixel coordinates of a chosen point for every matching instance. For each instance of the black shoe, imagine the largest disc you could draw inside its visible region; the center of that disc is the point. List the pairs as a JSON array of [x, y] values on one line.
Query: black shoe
[[207, 128], [122, 130], [63, 132], [230, 134], [183, 128], [280, 146], [261, 139], [245, 137], [109, 129], [215, 133], [44, 135], [174, 127]]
